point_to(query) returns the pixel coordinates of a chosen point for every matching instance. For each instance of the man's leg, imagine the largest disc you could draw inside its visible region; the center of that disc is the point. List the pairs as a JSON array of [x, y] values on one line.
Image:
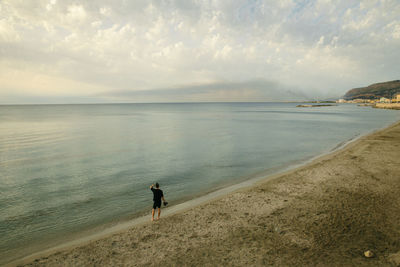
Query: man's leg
[[152, 214], [159, 213]]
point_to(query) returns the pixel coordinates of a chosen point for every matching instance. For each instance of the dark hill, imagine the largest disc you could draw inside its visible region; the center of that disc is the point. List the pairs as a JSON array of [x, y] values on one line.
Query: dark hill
[[374, 91]]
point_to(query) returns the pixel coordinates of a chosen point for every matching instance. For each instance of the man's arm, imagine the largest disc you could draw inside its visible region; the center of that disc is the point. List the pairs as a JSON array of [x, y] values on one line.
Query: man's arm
[[151, 187]]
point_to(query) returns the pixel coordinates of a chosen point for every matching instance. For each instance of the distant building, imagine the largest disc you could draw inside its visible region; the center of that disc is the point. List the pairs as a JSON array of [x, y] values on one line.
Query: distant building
[[397, 97], [341, 101], [384, 100], [360, 100]]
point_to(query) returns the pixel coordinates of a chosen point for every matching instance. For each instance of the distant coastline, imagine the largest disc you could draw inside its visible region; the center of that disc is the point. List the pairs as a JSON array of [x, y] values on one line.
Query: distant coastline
[[315, 106], [387, 105]]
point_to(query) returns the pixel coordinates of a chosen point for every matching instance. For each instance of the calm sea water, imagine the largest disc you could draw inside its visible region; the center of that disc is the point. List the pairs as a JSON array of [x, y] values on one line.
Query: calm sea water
[[67, 168]]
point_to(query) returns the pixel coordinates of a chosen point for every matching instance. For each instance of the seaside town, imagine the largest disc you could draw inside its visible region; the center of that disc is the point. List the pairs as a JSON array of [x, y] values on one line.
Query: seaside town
[[383, 102], [378, 95], [384, 95]]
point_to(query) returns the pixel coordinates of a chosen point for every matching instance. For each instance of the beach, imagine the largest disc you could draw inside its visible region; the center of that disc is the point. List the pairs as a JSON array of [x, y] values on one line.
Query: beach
[[328, 213]]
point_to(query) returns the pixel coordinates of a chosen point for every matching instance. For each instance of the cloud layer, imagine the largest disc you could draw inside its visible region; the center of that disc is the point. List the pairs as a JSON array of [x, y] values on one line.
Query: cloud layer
[[181, 50]]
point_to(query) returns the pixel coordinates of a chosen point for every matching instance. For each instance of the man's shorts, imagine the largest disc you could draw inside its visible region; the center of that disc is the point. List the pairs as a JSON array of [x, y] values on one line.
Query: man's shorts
[[157, 204]]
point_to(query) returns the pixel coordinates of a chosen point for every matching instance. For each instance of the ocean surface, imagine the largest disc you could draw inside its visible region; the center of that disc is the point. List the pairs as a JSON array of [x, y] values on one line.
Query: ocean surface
[[68, 168]]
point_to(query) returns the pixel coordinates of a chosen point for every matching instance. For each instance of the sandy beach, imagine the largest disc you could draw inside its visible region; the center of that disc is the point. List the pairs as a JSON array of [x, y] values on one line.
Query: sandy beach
[[326, 213]]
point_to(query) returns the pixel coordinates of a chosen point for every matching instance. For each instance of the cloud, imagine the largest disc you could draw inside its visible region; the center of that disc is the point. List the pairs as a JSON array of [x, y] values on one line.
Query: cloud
[[319, 47], [255, 91]]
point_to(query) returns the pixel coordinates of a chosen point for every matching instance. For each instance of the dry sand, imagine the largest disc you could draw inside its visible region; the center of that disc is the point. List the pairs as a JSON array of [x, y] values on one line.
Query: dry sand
[[327, 213]]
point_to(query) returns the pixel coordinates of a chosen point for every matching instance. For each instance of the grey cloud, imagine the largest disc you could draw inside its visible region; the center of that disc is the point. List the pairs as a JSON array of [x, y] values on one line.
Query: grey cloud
[[260, 90], [263, 39]]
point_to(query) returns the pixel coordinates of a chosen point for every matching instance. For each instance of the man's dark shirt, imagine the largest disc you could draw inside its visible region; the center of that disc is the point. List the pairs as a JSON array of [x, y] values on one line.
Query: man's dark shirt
[[157, 194]]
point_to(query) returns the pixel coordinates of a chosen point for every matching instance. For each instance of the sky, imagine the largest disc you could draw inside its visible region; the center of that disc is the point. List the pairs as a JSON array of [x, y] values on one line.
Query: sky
[[120, 51]]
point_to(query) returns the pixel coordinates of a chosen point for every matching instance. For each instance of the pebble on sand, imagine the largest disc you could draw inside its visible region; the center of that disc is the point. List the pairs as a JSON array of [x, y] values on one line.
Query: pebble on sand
[[368, 254]]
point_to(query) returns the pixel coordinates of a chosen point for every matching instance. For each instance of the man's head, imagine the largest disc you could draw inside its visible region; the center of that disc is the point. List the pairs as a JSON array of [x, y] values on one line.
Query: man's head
[[157, 185]]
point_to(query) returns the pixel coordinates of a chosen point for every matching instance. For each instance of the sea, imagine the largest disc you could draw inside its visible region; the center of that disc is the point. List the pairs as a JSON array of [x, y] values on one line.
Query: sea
[[66, 169]]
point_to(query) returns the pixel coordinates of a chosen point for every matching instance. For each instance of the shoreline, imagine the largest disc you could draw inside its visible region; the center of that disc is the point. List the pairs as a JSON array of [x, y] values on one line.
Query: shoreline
[[210, 197], [142, 217]]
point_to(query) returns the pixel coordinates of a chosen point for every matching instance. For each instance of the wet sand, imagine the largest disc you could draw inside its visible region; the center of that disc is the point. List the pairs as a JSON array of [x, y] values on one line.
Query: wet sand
[[327, 213]]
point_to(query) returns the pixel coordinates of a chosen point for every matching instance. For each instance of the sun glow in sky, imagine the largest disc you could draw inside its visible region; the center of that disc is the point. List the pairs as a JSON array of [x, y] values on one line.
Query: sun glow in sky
[[54, 51]]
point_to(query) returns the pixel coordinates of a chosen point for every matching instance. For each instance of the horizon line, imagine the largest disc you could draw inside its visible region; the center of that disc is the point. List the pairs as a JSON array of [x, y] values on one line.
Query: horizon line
[[127, 103]]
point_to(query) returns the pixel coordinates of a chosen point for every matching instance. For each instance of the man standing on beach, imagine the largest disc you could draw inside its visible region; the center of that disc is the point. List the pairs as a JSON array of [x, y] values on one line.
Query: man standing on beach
[[157, 196]]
